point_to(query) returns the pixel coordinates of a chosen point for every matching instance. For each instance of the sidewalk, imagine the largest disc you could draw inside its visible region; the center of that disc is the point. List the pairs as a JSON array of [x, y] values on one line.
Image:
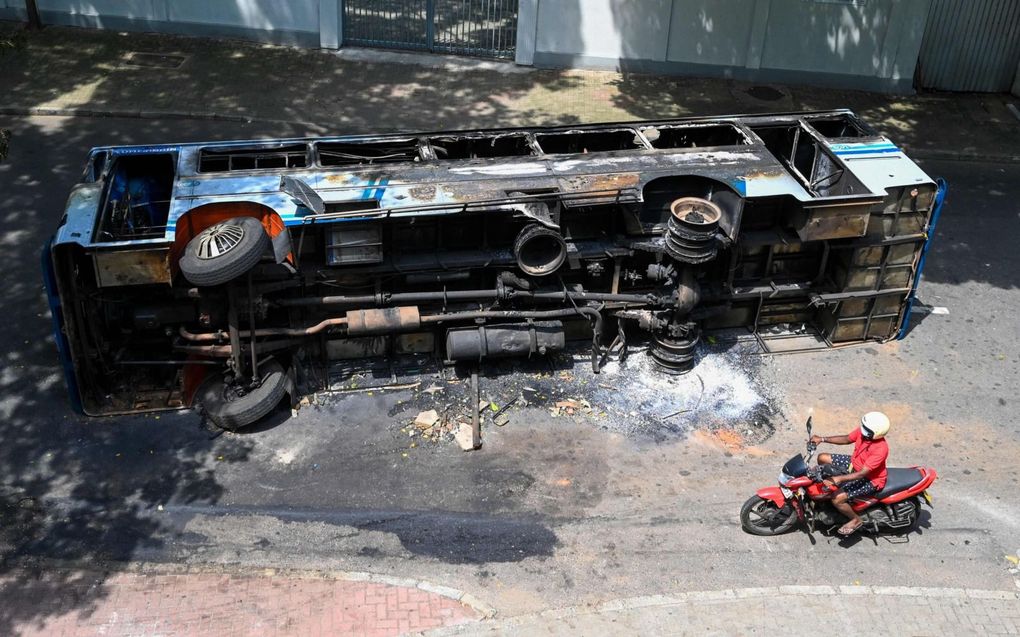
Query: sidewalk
[[77, 71], [167, 601], [787, 610]]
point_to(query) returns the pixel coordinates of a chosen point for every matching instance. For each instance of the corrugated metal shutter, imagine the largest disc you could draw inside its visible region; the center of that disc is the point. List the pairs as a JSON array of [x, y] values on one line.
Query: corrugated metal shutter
[[970, 45]]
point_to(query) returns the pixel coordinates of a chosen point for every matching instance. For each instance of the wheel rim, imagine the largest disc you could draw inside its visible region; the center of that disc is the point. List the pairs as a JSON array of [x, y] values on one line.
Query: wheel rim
[[765, 515], [219, 240], [232, 392]]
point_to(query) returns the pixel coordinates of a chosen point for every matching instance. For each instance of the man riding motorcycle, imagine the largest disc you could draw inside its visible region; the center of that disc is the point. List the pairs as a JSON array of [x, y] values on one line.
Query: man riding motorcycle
[[860, 474]]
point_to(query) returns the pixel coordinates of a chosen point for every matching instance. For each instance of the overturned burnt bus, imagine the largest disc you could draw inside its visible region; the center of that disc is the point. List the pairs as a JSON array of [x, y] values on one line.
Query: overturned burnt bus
[[217, 273]]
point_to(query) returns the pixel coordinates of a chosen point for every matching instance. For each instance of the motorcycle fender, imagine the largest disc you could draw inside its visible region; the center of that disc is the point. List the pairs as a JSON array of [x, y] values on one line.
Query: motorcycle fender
[[775, 494]]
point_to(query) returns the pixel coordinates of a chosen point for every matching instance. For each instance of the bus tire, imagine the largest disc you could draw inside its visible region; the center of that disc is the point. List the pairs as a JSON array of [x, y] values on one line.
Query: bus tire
[[224, 251], [226, 408]]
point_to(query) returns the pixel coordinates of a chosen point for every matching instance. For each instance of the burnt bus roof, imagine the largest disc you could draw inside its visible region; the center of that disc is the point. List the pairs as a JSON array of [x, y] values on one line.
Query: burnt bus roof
[[747, 118], [578, 165]]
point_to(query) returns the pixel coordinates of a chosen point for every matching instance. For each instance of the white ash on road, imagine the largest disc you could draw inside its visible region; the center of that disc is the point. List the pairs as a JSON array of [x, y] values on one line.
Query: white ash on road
[[728, 389]]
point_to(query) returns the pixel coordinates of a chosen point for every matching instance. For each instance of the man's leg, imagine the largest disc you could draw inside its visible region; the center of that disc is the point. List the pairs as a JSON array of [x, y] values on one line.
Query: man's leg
[[838, 463], [842, 504]]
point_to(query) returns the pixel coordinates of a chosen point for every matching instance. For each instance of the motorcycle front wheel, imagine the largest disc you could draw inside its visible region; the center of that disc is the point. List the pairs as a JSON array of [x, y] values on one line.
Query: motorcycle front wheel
[[762, 517]]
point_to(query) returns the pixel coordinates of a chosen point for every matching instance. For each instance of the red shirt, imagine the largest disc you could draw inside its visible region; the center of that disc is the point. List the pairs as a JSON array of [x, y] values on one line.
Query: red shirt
[[870, 456]]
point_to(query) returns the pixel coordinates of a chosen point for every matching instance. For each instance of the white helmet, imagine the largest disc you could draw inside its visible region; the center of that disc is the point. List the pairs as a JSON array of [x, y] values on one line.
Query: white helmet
[[874, 425]]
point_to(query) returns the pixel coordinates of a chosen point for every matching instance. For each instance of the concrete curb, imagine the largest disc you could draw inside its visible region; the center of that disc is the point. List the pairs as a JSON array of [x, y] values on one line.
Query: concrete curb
[[40, 111], [146, 568], [939, 155], [734, 595]]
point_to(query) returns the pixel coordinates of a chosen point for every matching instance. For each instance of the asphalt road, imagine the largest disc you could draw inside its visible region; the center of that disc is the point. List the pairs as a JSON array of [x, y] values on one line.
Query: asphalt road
[[552, 511]]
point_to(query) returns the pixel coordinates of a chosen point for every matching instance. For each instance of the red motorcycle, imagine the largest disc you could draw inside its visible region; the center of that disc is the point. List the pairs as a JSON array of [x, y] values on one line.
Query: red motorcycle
[[803, 495]]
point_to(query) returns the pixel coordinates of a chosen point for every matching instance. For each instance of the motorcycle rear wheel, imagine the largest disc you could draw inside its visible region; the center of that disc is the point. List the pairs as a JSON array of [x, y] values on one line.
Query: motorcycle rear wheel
[[759, 516]]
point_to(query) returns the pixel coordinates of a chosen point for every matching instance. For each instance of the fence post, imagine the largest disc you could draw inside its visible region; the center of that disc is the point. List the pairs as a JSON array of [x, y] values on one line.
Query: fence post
[[756, 40], [34, 21], [527, 32], [340, 24], [430, 24], [329, 22]]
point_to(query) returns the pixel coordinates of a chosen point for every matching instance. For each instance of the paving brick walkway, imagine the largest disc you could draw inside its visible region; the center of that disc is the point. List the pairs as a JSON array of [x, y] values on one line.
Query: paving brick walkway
[[846, 610], [61, 603]]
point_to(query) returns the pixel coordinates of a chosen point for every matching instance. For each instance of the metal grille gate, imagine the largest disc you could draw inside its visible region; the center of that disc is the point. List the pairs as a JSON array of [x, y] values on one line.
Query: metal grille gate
[[484, 28], [970, 45]]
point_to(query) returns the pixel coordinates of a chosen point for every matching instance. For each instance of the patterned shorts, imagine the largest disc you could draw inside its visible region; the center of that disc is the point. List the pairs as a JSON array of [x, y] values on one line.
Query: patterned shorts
[[854, 489]]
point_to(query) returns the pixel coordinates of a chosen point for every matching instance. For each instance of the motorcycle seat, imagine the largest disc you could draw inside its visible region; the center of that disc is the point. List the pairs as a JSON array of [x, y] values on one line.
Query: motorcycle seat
[[899, 480]]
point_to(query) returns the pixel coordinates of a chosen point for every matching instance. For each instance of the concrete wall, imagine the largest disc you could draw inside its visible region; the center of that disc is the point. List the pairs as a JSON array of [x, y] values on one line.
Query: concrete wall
[[281, 21], [870, 44], [13, 10]]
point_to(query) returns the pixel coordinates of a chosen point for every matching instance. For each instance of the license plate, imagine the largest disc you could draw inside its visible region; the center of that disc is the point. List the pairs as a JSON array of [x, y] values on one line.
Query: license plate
[[927, 498], [786, 492]]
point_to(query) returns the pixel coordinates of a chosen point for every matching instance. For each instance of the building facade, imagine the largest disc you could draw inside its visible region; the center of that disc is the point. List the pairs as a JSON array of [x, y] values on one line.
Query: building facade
[[886, 45]]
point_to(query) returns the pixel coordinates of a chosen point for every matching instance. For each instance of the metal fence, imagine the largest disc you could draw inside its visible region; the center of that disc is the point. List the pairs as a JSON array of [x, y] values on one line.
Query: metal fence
[[970, 45], [484, 28]]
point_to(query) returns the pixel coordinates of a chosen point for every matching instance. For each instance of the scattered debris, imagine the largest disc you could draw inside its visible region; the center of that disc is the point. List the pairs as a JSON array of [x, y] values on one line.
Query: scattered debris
[[465, 437], [570, 407], [354, 389], [929, 309], [731, 390], [507, 405], [426, 419], [476, 419]]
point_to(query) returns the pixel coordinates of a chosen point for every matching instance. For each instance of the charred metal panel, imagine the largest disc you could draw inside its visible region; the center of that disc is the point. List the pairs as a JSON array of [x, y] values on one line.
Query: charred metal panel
[[832, 222], [132, 267]]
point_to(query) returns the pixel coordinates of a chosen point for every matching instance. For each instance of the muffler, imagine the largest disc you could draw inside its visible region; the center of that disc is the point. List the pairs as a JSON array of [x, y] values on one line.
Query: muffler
[[504, 341]]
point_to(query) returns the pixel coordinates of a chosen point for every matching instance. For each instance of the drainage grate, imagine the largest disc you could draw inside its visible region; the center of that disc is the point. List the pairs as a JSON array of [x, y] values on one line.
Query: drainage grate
[[765, 93], [155, 60]]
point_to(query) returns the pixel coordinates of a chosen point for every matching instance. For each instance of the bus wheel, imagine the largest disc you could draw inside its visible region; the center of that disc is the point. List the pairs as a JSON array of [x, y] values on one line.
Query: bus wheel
[[224, 251], [232, 406]]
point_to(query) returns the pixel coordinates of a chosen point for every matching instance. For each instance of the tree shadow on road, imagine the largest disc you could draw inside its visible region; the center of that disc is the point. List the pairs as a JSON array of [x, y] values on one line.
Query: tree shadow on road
[[79, 497], [87, 70], [84, 492]]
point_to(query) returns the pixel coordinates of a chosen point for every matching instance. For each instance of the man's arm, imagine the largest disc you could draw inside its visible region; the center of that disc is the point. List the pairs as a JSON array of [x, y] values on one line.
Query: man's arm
[[832, 440]]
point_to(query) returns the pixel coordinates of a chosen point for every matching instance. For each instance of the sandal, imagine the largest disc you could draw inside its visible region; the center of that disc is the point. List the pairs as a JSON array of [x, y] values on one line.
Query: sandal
[[847, 531]]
